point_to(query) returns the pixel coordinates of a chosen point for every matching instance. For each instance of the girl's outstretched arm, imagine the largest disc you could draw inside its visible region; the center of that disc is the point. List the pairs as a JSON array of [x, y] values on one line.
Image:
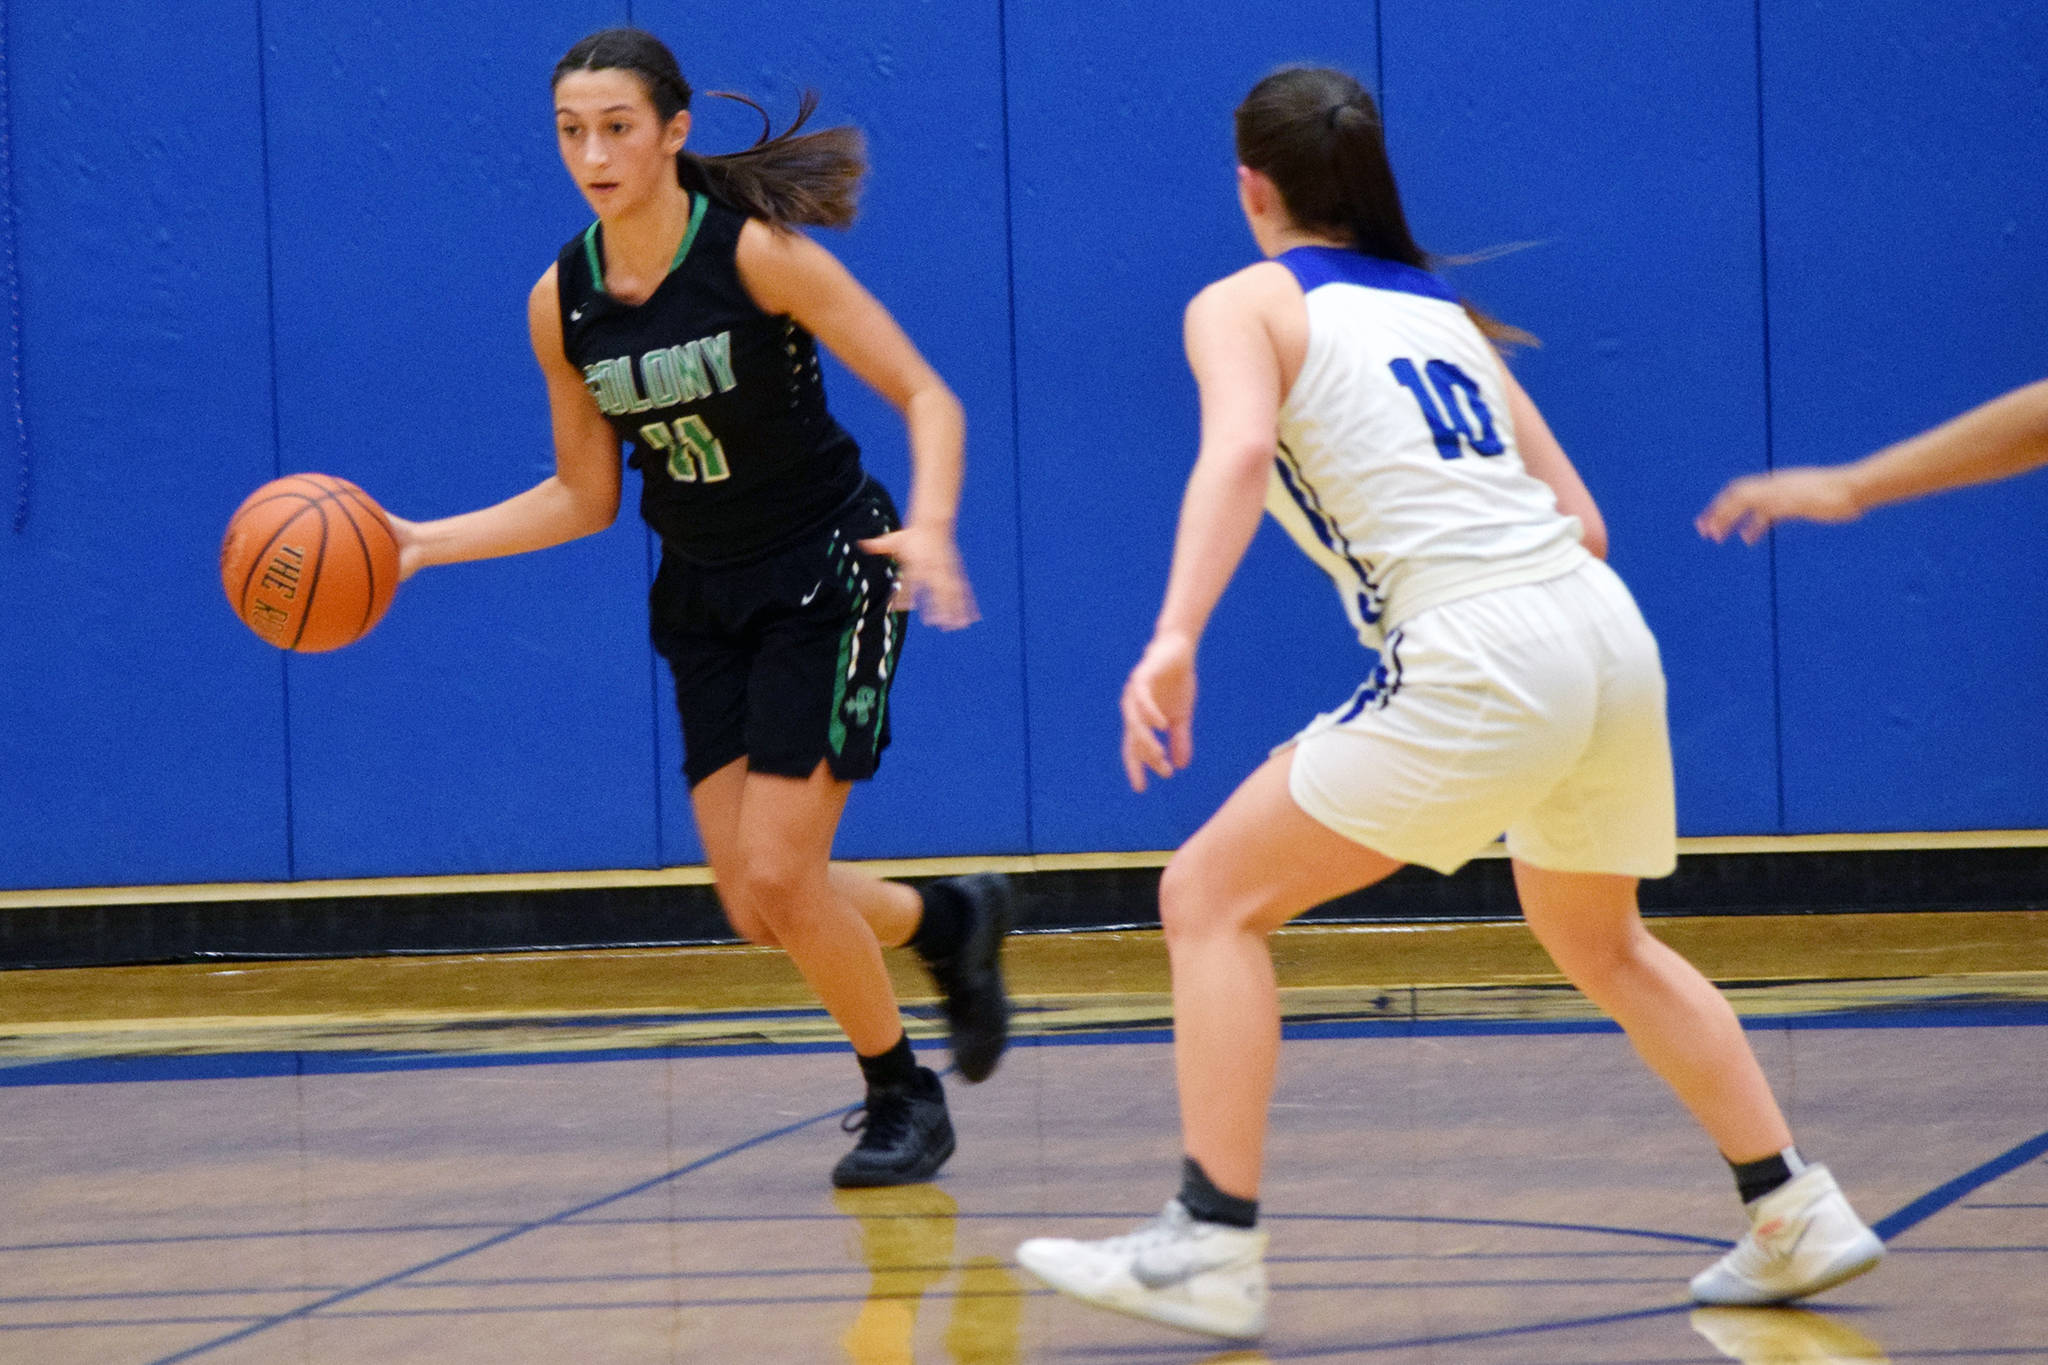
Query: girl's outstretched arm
[[580, 497], [1996, 440]]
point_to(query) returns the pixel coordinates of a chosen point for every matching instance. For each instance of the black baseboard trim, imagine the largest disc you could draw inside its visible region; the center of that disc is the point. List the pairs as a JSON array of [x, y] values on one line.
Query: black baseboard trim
[[649, 916]]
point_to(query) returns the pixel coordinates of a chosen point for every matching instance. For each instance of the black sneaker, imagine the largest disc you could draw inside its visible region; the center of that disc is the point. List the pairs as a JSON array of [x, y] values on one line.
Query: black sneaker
[[905, 1135], [971, 980]]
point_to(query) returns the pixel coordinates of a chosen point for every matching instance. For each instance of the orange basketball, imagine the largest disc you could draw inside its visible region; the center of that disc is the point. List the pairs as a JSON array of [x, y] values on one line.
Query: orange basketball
[[309, 562]]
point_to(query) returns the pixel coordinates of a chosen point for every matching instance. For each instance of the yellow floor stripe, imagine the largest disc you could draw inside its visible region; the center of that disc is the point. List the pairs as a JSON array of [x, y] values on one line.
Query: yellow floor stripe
[[450, 1035], [640, 997]]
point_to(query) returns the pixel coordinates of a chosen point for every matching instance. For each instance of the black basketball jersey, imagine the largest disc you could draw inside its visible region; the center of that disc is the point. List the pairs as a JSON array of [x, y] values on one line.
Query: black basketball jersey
[[721, 403]]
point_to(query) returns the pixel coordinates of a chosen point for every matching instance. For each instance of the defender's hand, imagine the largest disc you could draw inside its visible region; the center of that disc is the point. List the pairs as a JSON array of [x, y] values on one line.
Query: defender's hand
[[1160, 696], [1751, 505]]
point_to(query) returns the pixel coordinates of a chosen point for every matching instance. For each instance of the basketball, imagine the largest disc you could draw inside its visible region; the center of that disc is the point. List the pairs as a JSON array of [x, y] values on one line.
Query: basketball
[[309, 562]]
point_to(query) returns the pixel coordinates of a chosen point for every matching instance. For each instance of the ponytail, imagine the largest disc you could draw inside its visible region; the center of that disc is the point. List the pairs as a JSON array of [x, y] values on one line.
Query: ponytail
[[1316, 134], [1504, 335], [787, 179]]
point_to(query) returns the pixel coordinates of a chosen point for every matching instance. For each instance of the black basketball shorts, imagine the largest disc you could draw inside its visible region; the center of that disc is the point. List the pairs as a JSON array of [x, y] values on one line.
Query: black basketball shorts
[[786, 660]]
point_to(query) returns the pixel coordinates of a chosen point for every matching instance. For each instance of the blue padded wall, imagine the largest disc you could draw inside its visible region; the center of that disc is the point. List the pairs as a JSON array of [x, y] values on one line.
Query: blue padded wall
[[1903, 147], [141, 740], [310, 246], [1125, 205], [921, 81], [500, 718]]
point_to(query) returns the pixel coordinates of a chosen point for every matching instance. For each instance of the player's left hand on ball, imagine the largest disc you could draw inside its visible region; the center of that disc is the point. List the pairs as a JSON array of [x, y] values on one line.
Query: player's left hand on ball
[[929, 575], [1160, 696]]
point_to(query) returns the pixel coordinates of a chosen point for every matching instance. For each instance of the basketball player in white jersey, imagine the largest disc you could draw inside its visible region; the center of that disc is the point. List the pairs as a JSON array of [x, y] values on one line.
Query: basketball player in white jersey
[[1347, 390]]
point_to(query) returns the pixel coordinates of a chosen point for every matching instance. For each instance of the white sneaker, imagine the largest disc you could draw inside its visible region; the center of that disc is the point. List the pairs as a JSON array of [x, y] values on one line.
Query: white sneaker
[[1803, 1238], [1177, 1269]]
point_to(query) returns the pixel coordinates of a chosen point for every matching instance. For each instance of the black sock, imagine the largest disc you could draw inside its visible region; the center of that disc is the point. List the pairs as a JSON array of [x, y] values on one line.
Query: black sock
[[1755, 1179], [1202, 1199], [943, 926], [894, 1069]]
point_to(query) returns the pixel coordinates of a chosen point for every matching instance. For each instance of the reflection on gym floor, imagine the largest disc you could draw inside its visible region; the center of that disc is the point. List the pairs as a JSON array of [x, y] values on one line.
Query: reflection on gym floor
[[1785, 1336], [907, 1243]]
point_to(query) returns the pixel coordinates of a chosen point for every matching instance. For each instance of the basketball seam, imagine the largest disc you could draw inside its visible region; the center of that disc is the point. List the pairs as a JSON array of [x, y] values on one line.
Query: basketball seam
[[369, 567], [256, 564], [371, 509], [378, 515], [246, 508], [276, 489], [313, 582], [242, 602]]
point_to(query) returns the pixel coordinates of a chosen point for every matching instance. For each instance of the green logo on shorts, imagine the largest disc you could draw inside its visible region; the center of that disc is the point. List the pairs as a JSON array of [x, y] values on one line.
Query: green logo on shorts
[[861, 705]]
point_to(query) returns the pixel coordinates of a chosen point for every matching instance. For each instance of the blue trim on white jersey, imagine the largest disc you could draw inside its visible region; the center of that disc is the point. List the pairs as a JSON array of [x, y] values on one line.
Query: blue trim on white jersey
[[1314, 266], [1372, 601], [1385, 681]]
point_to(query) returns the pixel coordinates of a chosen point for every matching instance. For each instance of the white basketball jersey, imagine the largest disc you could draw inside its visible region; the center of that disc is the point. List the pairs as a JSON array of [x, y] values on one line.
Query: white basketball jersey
[[1397, 469]]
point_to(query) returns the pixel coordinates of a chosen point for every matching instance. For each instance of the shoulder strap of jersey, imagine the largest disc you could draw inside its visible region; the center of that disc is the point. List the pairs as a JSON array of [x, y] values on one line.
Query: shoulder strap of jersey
[[575, 282]]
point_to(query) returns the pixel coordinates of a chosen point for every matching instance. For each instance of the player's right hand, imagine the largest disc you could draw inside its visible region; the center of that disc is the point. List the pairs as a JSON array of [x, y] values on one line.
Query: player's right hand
[[410, 557], [1160, 696], [929, 576], [1751, 505]]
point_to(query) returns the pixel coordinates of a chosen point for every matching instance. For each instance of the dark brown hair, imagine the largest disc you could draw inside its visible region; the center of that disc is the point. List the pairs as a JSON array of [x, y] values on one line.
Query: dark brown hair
[[1316, 134], [785, 178]]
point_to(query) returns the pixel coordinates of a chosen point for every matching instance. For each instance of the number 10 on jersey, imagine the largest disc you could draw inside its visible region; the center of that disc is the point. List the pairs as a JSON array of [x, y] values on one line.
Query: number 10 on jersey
[[693, 452], [1455, 391]]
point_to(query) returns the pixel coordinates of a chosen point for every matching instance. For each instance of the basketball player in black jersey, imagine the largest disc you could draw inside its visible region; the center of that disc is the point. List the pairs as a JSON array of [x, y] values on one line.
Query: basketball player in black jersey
[[684, 324]]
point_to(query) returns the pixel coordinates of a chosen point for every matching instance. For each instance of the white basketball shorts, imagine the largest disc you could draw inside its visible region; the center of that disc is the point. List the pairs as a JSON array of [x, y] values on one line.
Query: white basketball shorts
[[1537, 710]]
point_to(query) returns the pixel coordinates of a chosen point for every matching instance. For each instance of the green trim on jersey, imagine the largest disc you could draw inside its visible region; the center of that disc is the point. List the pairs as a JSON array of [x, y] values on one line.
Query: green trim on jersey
[[698, 203], [897, 621], [849, 572], [596, 261]]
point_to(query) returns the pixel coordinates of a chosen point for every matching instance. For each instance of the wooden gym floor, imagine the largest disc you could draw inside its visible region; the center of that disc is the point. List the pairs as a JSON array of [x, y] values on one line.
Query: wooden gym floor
[[621, 1157]]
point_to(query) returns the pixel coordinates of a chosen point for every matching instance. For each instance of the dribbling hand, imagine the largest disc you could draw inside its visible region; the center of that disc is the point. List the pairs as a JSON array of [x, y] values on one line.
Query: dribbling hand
[[929, 576], [1160, 696], [410, 556]]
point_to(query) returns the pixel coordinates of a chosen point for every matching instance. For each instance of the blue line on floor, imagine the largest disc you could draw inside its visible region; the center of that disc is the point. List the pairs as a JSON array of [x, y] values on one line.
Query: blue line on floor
[[1180, 1351], [383, 1230], [1523, 1224], [1493, 1333], [95, 1324], [126, 1295], [1939, 1198], [498, 1239], [235, 1066]]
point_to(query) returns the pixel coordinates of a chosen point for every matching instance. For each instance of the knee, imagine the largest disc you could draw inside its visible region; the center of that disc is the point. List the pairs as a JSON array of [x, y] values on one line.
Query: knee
[[1604, 965], [740, 912], [1190, 905], [762, 892]]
